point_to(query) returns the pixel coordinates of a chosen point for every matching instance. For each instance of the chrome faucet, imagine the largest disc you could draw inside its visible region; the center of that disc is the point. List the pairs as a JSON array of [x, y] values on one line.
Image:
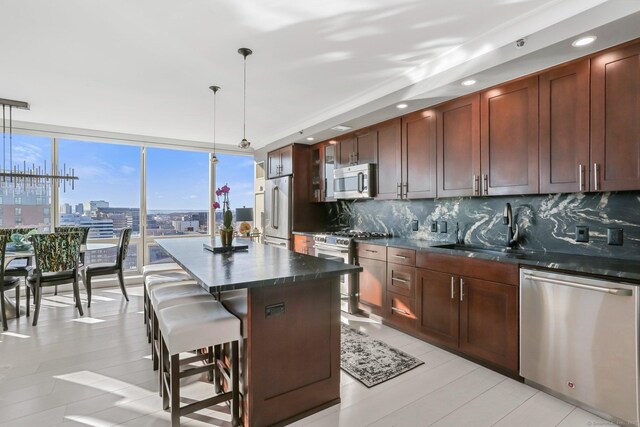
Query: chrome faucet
[[512, 231]]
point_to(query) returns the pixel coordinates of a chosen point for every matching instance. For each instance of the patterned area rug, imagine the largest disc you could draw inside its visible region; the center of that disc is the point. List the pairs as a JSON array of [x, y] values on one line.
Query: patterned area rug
[[370, 361]]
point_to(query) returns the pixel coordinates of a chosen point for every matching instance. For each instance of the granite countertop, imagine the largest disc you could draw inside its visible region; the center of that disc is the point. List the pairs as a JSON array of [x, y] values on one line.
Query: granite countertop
[[602, 266], [261, 265]]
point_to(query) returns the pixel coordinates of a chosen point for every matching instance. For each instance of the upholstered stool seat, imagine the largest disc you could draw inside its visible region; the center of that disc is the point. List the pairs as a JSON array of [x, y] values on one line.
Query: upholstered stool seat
[[236, 303], [161, 279], [172, 294], [191, 326], [160, 268]]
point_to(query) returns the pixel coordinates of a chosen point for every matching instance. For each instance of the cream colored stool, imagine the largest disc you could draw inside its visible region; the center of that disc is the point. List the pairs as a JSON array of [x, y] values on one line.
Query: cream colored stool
[[189, 327]]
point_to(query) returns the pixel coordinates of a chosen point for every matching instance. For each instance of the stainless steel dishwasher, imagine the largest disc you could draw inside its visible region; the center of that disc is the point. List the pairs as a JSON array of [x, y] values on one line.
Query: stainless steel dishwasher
[[579, 341]]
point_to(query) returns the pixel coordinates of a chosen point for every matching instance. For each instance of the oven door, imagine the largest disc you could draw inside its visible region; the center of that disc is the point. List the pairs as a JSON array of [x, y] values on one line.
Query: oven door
[[339, 255]]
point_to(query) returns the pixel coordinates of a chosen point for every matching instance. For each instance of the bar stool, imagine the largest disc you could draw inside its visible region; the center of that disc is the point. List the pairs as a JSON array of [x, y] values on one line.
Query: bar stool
[[192, 326], [168, 296], [157, 279], [160, 268]]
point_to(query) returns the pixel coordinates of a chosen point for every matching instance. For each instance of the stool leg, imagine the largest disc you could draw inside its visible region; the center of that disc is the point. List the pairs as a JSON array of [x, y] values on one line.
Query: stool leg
[[174, 367], [235, 385], [154, 336], [217, 379], [163, 370], [210, 360], [144, 304], [161, 363]]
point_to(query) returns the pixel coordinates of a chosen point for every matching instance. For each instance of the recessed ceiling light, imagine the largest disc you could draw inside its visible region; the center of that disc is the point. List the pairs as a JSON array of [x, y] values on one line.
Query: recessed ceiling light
[[401, 106], [468, 82], [341, 128], [583, 41], [310, 138], [333, 142]]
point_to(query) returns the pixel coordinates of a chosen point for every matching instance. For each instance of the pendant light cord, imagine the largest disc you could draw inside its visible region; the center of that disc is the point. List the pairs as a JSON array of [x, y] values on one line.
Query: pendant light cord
[[4, 140], [11, 137], [214, 123], [244, 102]]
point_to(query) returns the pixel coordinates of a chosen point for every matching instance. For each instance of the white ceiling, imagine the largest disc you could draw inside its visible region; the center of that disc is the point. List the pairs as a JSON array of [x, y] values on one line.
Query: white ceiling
[[144, 67]]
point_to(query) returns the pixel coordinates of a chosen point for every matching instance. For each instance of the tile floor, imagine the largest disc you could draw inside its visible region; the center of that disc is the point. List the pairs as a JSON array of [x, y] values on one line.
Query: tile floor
[[95, 371]]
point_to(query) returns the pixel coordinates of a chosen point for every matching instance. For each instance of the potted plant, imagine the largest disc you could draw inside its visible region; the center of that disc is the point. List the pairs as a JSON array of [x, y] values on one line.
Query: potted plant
[[226, 231]]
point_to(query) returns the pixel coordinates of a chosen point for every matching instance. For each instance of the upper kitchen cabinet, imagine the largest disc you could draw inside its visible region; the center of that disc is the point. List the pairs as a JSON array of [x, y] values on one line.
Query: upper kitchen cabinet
[[419, 155], [615, 119], [407, 157], [459, 147], [280, 162], [358, 148], [323, 162], [564, 129], [389, 167], [509, 138]]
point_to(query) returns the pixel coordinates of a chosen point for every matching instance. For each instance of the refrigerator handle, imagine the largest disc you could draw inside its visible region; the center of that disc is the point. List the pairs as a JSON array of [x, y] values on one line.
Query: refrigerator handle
[[274, 207]]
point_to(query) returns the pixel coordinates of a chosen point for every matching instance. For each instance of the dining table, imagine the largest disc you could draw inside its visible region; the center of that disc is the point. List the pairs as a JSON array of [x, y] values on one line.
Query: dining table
[[11, 309]]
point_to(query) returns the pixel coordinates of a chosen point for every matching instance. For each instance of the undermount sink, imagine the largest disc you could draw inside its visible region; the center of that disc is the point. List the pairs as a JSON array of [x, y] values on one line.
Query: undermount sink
[[508, 252]]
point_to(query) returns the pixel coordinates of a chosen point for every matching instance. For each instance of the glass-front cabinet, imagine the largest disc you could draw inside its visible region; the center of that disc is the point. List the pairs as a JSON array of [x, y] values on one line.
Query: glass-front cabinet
[[323, 162]]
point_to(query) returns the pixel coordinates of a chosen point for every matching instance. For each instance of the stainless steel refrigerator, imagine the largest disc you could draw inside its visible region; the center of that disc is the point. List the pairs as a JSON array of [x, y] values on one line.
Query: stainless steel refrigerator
[[277, 215]]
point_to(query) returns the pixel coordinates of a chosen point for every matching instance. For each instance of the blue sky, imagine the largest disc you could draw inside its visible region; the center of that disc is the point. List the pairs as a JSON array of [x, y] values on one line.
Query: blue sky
[[176, 180]]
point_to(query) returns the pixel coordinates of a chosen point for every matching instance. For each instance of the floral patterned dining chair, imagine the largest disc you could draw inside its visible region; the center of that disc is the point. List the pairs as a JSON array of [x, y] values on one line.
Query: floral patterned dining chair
[[57, 258]]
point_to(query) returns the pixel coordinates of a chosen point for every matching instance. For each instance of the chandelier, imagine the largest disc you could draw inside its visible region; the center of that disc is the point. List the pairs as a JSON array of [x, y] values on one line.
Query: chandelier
[[26, 176]]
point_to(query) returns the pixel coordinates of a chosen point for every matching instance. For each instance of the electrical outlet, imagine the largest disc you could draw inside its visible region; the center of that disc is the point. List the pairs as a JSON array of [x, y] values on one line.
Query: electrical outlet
[[443, 226], [414, 225], [614, 236], [582, 233], [434, 226]]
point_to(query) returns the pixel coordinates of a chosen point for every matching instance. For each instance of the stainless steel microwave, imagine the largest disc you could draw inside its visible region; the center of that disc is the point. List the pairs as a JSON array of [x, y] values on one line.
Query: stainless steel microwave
[[354, 182]]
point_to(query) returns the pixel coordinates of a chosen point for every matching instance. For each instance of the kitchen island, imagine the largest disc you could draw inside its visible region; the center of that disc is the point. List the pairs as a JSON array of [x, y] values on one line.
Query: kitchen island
[[291, 348]]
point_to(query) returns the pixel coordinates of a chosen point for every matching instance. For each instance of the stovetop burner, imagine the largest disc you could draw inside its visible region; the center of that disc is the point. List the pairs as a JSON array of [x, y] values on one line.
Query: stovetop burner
[[344, 238]]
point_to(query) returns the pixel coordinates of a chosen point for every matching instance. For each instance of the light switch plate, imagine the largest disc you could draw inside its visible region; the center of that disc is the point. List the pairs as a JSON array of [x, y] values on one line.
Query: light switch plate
[[434, 227], [582, 233], [614, 236], [443, 226], [414, 225]]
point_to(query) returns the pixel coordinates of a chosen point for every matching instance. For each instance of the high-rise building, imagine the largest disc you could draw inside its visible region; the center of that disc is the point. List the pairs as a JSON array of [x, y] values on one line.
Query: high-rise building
[[65, 208], [80, 209], [93, 205]]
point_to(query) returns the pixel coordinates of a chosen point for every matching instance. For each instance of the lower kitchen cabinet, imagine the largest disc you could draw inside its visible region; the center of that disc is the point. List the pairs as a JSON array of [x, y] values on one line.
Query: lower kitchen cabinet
[[438, 302], [489, 321], [373, 285], [303, 244], [400, 310]]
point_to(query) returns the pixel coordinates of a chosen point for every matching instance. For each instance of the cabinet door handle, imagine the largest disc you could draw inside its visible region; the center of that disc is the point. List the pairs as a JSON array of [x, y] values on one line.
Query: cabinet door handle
[[485, 181], [399, 280], [581, 177], [461, 289], [325, 188], [401, 256], [355, 158], [371, 250], [453, 292], [596, 177], [476, 185], [399, 310], [399, 191]]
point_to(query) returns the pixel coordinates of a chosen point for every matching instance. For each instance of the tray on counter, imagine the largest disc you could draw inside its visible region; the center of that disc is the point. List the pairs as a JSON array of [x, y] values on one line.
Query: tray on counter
[[222, 249]]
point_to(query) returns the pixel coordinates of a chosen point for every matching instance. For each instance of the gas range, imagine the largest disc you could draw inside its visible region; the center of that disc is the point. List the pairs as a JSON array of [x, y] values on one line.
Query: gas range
[[344, 238], [337, 246]]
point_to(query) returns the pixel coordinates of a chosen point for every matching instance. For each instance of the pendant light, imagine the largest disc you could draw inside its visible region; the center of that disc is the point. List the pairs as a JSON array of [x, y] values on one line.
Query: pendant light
[[215, 89], [29, 177], [244, 144]]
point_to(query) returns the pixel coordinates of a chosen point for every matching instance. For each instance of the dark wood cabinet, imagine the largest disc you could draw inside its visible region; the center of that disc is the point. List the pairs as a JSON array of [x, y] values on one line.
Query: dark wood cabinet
[[489, 321], [373, 285], [470, 305], [419, 155], [358, 148], [615, 119], [509, 138], [459, 147], [389, 167], [280, 162], [401, 279], [317, 173], [564, 129], [437, 298]]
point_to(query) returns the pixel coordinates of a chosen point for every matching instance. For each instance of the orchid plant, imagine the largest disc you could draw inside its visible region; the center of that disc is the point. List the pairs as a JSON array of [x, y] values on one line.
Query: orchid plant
[[227, 216]]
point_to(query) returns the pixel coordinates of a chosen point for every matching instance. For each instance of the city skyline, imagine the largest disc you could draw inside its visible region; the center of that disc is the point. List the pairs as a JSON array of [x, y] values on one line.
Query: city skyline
[[177, 180]]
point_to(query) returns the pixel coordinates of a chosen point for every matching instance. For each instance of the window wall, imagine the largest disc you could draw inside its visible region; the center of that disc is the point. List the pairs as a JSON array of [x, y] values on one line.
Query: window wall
[[30, 205], [125, 184]]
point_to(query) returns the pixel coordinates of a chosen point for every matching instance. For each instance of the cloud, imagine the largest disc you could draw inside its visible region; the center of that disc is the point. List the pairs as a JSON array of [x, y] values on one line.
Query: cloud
[[127, 170]]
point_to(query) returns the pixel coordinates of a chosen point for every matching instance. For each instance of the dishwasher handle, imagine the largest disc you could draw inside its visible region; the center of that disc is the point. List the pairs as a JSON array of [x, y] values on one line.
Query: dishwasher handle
[[613, 291]]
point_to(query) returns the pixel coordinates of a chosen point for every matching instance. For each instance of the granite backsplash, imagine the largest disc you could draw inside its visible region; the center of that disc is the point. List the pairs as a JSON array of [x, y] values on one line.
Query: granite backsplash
[[547, 222]]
